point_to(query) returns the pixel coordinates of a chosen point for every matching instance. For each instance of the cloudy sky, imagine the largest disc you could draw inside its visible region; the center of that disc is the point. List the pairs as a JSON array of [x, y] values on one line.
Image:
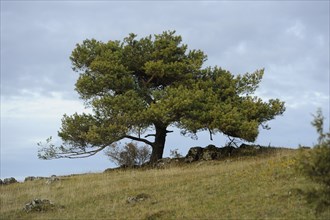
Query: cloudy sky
[[289, 39]]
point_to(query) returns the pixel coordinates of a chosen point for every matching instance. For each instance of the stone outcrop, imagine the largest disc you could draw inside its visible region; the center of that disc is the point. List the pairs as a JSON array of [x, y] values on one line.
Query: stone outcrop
[[33, 178], [39, 205], [29, 178], [167, 162], [138, 198], [194, 154], [251, 150], [49, 180], [212, 152], [52, 179]]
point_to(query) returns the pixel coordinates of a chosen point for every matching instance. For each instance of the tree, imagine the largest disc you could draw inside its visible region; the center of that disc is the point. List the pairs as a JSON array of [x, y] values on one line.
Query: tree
[[315, 165], [151, 83]]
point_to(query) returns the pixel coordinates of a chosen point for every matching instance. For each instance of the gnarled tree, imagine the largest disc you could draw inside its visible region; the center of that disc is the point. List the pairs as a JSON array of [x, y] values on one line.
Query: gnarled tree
[[137, 85]]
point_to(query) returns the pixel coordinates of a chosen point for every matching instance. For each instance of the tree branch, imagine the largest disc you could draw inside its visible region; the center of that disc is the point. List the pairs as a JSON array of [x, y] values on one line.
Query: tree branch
[[61, 152], [153, 135], [211, 137], [150, 135], [138, 139], [79, 155]]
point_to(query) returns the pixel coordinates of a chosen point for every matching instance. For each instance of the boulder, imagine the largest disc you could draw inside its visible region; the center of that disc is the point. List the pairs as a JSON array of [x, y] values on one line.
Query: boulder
[[138, 198], [39, 205], [32, 178], [1, 183], [41, 178], [227, 151], [52, 179], [161, 163], [10, 180], [249, 150], [210, 152], [194, 154], [166, 162], [29, 178], [247, 146]]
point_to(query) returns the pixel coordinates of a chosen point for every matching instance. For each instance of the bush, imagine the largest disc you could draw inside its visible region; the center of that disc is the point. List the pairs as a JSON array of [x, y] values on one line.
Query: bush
[[129, 155], [175, 153], [315, 165]]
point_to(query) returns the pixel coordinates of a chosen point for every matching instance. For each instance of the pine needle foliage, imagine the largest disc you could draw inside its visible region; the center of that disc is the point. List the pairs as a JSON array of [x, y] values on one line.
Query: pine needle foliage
[[314, 164]]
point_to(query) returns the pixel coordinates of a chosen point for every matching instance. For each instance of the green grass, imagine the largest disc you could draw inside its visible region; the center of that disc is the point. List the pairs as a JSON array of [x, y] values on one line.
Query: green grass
[[261, 187]]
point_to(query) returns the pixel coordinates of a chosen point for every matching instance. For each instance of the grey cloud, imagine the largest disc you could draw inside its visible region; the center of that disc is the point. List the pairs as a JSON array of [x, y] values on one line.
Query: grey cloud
[[287, 38]]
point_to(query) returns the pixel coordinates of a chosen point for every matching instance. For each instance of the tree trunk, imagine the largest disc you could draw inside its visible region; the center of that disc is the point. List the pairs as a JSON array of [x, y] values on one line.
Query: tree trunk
[[159, 144]]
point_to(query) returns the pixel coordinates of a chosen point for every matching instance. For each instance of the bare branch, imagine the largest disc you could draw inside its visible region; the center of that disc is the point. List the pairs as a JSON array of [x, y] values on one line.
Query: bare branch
[[211, 137], [49, 151], [150, 135], [79, 155], [153, 135], [138, 139]]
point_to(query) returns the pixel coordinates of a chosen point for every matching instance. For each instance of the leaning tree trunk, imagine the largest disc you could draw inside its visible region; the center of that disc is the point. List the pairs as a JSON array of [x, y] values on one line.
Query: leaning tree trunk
[[159, 144]]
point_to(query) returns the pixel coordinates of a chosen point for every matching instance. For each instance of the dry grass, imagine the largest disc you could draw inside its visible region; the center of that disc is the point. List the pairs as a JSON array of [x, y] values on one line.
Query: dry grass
[[249, 188]]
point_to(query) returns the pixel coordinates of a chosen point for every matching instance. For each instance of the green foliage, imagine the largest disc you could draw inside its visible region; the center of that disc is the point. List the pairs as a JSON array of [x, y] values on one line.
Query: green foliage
[[138, 85], [46, 150], [315, 165]]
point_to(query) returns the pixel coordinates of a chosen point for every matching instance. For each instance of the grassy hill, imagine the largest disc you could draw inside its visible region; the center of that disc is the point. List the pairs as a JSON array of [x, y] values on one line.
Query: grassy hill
[[259, 187]]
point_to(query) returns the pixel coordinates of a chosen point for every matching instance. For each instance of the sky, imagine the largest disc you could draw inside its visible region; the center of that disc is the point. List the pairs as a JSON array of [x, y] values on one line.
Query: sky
[[290, 39]]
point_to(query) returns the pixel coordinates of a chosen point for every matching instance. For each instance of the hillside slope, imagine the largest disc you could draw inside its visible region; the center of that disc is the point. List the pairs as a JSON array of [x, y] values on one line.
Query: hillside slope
[[240, 188]]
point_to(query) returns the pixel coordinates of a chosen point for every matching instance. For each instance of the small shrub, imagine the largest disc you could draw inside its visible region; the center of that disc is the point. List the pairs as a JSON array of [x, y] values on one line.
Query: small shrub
[[175, 153], [315, 165], [129, 155]]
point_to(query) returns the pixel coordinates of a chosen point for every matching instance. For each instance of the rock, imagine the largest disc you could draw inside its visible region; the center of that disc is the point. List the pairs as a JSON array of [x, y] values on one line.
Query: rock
[[1, 183], [8, 181], [39, 205], [249, 150], [41, 178], [138, 198], [247, 146], [194, 154], [52, 179], [227, 151], [33, 178], [211, 152], [29, 178], [161, 163]]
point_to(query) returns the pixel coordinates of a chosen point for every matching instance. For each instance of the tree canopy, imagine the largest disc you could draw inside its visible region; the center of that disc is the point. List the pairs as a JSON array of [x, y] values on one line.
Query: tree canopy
[[136, 86]]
